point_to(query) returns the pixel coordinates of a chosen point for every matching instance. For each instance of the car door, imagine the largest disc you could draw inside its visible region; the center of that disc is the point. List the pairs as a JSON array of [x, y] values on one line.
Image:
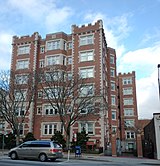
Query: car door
[[23, 150]]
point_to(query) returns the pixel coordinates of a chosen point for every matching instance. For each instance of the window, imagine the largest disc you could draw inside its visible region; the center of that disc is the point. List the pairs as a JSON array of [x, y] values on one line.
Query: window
[[23, 49], [127, 91], [41, 63], [42, 49], [49, 129], [129, 122], [21, 79], [69, 76], [53, 45], [51, 93], [69, 60], [85, 40], [40, 94], [111, 59], [130, 135], [53, 60], [86, 56], [86, 90], [113, 86], [20, 95], [39, 110], [87, 72], [88, 109], [128, 101], [114, 129], [49, 110], [88, 127], [22, 64], [69, 45], [112, 72], [128, 112], [127, 81], [54, 76], [20, 111], [113, 114], [113, 100]]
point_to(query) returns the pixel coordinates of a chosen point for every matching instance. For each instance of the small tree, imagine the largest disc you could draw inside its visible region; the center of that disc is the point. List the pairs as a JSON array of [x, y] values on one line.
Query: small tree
[[82, 139], [59, 138], [29, 137]]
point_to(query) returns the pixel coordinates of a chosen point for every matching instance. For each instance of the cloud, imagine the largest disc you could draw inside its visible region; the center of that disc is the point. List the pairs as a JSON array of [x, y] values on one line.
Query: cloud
[[5, 50], [143, 60], [147, 96], [116, 29], [46, 14]]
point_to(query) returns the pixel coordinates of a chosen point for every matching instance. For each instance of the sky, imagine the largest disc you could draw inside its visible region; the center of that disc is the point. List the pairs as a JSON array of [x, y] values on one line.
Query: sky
[[132, 27]]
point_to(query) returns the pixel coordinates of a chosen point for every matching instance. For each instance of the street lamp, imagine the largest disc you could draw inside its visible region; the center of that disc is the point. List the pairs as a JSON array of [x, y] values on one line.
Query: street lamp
[[159, 79]]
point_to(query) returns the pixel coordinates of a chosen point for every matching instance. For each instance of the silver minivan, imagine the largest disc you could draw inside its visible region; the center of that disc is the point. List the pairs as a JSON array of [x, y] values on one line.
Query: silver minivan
[[42, 150]]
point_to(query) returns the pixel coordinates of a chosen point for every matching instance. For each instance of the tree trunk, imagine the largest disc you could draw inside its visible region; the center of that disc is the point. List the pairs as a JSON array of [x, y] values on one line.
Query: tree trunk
[[17, 140]]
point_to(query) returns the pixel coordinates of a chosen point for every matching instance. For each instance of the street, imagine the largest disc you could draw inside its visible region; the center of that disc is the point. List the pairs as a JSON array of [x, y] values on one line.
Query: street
[[72, 162]]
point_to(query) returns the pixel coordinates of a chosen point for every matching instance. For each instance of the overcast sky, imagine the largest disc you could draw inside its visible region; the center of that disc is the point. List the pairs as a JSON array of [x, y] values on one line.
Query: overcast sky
[[132, 27]]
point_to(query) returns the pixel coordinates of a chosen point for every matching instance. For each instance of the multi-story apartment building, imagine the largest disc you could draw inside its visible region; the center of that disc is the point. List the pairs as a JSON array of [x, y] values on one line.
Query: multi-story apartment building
[[127, 111], [83, 52]]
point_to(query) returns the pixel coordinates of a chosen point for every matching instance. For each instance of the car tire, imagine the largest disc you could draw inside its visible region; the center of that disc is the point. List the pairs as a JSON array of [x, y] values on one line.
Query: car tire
[[42, 157], [14, 156]]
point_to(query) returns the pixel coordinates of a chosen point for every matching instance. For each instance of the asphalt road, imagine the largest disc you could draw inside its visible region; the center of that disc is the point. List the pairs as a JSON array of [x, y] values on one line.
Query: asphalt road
[[63, 162]]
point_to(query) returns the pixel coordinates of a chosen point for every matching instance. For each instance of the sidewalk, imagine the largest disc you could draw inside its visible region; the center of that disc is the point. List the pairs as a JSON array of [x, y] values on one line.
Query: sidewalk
[[97, 157]]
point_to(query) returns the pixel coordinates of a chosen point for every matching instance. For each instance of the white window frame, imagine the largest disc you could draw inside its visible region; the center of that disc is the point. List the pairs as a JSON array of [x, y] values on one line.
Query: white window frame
[[86, 39], [87, 55], [50, 109], [113, 86], [41, 63], [20, 111], [129, 122], [88, 126], [130, 135], [87, 90], [53, 60], [49, 128], [22, 79], [128, 101], [127, 81], [128, 112], [112, 72], [128, 91], [112, 59], [114, 114], [23, 49], [86, 72], [22, 64], [53, 45], [113, 100], [69, 60]]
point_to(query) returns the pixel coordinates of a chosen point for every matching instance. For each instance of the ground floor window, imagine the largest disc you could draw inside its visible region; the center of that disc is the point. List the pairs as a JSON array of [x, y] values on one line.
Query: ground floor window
[[49, 129]]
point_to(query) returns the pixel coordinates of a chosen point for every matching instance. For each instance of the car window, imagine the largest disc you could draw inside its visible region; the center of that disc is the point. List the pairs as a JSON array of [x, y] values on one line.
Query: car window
[[40, 144], [56, 145]]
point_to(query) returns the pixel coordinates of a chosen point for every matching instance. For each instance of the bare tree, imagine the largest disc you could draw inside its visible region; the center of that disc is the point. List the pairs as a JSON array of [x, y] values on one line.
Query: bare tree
[[73, 98], [16, 94]]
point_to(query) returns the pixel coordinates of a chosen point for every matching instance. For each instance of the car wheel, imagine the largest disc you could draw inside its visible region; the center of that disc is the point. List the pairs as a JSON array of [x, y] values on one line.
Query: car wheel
[[14, 156], [42, 157]]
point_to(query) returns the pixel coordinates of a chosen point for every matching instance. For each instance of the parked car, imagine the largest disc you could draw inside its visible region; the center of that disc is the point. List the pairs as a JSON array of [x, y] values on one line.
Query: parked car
[[42, 150]]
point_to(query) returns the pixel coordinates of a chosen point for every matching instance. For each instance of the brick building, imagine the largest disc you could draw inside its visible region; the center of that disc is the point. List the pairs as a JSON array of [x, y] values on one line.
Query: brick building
[[84, 52], [127, 111]]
